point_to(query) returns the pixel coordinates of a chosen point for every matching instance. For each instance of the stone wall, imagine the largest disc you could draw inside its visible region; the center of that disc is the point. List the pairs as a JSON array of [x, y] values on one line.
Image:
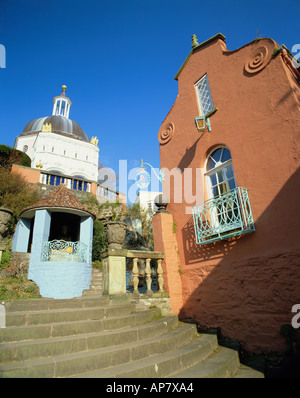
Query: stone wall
[[19, 264], [249, 300], [147, 303]]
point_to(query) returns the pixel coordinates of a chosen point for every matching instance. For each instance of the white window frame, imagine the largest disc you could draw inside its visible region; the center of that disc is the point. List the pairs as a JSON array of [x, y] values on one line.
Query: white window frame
[[200, 102], [219, 166]]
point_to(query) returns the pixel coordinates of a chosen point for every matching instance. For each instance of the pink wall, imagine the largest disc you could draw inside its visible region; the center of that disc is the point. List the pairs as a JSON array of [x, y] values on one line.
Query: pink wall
[[247, 286]]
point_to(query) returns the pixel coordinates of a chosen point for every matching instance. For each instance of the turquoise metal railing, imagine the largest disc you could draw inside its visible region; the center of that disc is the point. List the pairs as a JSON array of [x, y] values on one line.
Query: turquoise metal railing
[[223, 216], [61, 250]]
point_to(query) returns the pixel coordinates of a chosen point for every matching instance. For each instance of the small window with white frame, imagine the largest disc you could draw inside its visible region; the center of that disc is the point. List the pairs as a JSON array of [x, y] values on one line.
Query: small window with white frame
[[204, 96]]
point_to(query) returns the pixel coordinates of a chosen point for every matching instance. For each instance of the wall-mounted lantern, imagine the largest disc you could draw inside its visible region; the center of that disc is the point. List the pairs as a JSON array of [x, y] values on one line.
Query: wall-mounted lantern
[[203, 121]]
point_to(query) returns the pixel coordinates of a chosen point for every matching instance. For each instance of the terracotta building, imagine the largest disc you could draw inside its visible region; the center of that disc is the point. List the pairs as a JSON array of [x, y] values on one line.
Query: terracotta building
[[230, 149]]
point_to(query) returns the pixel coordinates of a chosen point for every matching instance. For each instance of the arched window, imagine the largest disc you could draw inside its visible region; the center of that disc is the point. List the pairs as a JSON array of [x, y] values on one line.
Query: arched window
[[219, 172], [227, 211]]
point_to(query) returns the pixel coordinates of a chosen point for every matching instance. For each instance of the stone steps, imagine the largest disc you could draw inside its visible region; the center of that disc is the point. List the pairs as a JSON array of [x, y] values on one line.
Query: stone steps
[[94, 337], [96, 284]]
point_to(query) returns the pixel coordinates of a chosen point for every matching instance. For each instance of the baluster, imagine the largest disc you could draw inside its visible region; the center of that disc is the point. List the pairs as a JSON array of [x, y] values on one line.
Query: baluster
[[159, 276], [148, 277], [135, 272]]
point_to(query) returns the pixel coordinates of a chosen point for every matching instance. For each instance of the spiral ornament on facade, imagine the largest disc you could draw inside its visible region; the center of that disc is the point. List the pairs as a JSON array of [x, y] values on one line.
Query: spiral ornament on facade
[[166, 133], [258, 59]]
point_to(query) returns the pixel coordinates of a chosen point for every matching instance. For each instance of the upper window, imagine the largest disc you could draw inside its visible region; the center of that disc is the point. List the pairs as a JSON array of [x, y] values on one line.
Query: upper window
[[204, 96]]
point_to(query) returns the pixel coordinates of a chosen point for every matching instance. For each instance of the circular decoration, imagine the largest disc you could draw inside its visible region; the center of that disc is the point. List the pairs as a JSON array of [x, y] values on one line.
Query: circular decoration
[[258, 59], [166, 133], [142, 178]]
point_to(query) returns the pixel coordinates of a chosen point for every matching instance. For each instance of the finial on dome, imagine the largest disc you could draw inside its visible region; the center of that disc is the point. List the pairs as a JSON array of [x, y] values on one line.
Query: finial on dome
[[64, 87], [194, 41]]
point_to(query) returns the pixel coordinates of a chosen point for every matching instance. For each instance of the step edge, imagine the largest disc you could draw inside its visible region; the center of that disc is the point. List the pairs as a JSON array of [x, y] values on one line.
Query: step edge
[[61, 360]]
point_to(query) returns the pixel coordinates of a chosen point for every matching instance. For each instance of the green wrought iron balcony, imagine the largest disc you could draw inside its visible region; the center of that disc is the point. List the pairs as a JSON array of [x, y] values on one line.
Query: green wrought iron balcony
[[61, 250], [222, 217]]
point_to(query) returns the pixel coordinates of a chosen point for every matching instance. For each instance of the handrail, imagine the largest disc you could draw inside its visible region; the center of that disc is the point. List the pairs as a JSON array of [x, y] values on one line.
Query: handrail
[[61, 250], [223, 216]]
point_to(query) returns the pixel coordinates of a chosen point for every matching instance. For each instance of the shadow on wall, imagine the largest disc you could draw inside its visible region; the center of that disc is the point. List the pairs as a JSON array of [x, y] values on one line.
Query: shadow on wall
[[188, 156], [247, 286]]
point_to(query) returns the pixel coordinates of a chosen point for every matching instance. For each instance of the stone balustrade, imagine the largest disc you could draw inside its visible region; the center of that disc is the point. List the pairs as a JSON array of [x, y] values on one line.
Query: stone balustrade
[[136, 255], [114, 271], [102, 193], [108, 194]]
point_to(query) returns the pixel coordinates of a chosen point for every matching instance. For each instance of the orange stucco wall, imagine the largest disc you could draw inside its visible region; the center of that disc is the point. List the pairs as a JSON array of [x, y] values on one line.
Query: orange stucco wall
[[247, 286], [165, 241], [30, 175]]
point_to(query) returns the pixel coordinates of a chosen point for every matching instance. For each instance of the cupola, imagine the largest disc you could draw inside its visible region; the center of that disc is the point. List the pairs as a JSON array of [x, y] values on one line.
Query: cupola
[[62, 104]]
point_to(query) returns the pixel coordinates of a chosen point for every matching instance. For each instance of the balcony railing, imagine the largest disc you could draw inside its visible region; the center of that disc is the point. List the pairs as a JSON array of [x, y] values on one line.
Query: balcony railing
[[55, 179], [223, 217], [61, 250]]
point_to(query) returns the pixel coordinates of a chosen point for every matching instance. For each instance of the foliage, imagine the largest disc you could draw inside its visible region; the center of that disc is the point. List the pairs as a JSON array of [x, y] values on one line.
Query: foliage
[[15, 194], [5, 258], [136, 211], [10, 156], [99, 240], [97, 264], [90, 201]]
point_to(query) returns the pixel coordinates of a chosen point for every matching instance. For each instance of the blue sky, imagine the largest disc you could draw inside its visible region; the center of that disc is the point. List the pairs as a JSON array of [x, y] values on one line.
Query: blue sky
[[118, 59]]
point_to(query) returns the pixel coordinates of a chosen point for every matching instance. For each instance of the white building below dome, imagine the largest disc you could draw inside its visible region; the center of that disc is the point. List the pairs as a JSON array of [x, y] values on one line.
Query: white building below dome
[[58, 144]]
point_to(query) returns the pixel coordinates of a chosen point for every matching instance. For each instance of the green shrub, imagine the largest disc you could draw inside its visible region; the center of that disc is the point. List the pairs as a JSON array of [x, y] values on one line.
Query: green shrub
[[5, 259], [10, 156], [99, 240]]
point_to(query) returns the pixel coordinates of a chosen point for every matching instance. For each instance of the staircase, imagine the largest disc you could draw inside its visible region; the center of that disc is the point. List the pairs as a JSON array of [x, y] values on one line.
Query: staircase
[[96, 337], [96, 283]]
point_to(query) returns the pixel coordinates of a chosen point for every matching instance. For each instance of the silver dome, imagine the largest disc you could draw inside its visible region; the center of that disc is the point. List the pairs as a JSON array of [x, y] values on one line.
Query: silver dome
[[60, 125]]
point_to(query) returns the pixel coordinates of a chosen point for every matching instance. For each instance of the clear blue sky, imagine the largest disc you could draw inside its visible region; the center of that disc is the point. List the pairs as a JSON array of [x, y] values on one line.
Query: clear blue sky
[[118, 59]]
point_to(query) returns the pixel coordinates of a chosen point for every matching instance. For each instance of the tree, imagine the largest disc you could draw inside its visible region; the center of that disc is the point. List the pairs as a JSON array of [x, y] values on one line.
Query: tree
[[16, 194], [10, 156]]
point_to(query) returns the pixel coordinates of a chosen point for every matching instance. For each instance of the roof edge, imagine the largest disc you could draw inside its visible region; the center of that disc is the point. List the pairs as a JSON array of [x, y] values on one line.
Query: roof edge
[[30, 212], [204, 43]]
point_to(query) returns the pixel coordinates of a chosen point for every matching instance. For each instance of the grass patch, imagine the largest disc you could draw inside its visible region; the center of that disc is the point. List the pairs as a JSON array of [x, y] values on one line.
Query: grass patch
[[18, 288]]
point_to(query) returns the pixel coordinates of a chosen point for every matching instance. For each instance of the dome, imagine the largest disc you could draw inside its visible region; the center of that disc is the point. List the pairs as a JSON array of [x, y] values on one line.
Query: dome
[[60, 125]]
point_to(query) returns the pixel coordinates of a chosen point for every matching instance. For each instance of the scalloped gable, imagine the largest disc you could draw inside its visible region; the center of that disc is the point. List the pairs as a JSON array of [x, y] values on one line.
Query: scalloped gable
[[196, 46]]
